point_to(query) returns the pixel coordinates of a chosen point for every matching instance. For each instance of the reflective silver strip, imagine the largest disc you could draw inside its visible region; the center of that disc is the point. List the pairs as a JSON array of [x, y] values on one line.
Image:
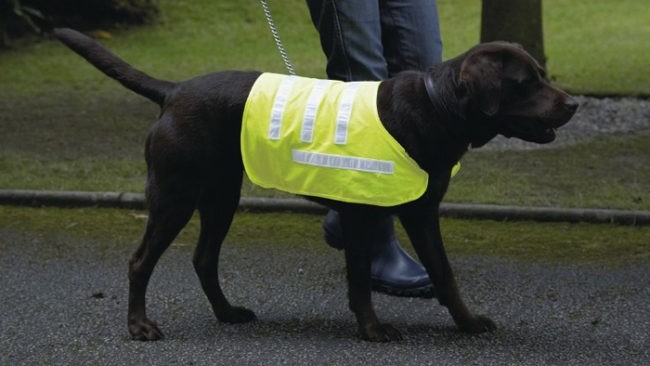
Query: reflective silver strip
[[311, 110], [279, 103], [343, 115], [343, 162]]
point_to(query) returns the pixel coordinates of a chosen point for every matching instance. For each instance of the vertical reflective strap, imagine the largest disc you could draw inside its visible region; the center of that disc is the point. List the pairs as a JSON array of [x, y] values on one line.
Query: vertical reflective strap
[[311, 110], [455, 169], [343, 115], [279, 104]]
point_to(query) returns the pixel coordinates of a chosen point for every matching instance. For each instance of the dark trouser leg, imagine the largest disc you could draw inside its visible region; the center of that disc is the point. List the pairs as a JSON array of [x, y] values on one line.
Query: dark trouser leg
[[365, 40], [411, 35], [350, 35]]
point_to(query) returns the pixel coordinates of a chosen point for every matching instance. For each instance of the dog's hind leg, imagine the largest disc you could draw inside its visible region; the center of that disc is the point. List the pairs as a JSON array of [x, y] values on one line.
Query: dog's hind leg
[[358, 229], [217, 205], [168, 214], [170, 208]]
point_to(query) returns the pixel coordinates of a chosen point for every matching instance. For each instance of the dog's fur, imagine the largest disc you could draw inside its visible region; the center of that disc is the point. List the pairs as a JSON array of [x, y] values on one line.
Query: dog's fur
[[194, 161]]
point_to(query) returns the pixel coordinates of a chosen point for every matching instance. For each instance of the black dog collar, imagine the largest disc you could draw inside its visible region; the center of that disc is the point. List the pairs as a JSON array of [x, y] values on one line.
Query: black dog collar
[[428, 85], [454, 131]]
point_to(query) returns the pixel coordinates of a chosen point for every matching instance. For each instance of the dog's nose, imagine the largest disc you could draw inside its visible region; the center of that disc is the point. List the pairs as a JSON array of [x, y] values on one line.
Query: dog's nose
[[571, 104]]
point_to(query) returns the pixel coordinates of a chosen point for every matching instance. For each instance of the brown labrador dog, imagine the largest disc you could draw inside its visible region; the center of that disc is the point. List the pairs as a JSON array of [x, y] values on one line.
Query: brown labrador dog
[[194, 161]]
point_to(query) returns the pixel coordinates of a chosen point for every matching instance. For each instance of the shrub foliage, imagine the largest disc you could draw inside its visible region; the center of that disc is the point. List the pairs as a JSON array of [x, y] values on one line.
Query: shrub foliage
[[20, 16]]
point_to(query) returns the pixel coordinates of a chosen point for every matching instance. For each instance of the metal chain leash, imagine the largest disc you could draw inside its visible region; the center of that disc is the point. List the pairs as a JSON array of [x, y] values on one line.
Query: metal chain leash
[[276, 38]]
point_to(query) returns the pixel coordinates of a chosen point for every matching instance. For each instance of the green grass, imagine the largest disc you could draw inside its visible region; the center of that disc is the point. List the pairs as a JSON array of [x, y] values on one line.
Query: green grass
[[599, 46], [65, 126], [610, 172], [522, 241], [593, 47], [596, 47]]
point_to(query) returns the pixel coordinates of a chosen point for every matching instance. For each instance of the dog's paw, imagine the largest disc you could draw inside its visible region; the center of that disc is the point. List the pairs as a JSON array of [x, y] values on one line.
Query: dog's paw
[[478, 324], [144, 330], [380, 333], [236, 314]]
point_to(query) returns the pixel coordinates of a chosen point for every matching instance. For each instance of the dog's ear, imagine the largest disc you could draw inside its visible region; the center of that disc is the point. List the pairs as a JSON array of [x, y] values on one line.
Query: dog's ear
[[481, 73]]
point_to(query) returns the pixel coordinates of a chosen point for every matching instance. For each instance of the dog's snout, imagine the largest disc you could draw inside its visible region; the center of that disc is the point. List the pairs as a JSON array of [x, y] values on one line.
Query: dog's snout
[[571, 105]]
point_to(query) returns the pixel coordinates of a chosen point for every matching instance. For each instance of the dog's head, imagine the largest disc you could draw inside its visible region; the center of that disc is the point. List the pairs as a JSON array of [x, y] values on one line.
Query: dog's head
[[508, 89]]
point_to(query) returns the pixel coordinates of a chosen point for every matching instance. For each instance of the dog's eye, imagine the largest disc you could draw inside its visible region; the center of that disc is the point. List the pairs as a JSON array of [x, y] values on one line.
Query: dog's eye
[[521, 87], [528, 84]]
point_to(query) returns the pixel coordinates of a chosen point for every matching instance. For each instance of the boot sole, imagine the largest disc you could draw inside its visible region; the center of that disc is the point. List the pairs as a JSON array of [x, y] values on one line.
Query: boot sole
[[424, 292]]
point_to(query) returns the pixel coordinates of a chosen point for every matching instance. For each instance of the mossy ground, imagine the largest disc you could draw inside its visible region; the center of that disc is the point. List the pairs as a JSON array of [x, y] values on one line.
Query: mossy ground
[[521, 241], [63, 125]]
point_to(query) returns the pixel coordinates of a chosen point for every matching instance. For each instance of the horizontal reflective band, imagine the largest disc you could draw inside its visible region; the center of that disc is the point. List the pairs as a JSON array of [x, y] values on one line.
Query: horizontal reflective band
[[343, 162], [343, 116], [279, 103], [311, 109]]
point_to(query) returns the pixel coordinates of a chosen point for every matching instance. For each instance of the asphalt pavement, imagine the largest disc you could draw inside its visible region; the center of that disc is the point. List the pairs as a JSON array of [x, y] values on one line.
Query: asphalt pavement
[[64, 303]]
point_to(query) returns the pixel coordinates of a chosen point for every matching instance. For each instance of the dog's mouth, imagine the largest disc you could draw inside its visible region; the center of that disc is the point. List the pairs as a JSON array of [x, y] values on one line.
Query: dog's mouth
[[537, 132], [541, 129]]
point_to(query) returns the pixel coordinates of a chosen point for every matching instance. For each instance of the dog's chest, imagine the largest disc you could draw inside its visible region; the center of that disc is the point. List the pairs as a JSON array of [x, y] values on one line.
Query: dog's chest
[[324, 138]]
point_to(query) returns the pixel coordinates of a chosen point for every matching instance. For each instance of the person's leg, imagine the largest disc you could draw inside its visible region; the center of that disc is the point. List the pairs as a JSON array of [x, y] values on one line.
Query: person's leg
[[393, 270], [410, 34], [411, 41], [350, 33]]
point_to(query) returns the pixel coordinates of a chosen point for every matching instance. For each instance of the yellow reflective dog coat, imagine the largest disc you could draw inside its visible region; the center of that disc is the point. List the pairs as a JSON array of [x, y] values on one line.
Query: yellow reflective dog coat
[[324, 138]]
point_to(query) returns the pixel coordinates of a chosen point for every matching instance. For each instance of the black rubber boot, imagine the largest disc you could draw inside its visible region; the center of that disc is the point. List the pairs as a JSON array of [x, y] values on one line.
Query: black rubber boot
[[393, 271]]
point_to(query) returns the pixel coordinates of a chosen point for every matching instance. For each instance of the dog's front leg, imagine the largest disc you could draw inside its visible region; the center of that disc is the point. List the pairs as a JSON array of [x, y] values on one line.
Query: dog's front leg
[[358, 231], [423, 228]]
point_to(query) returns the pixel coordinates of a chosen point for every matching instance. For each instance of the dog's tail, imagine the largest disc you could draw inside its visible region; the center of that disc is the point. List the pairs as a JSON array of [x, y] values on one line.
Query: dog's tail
[[111, 65]]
